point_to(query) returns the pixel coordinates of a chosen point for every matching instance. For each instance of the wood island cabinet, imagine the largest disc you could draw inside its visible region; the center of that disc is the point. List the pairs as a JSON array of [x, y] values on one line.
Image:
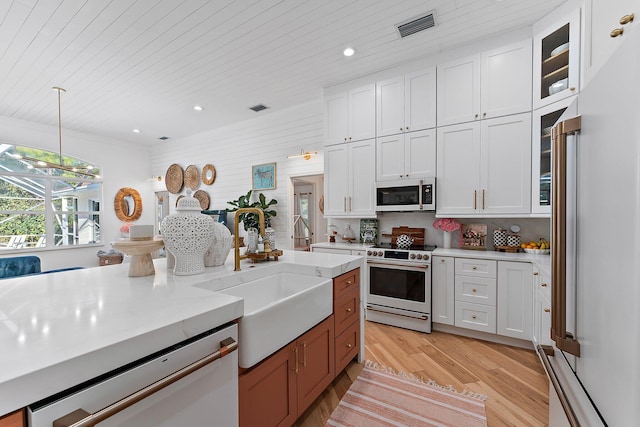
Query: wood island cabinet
[[14, 419], [279, 389]]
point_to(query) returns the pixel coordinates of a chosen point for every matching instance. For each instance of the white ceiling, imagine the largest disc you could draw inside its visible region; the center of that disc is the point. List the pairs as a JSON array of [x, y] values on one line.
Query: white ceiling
[[145, 63]]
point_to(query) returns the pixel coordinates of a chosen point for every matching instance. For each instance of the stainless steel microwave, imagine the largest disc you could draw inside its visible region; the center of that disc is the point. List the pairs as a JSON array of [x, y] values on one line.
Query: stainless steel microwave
[[406, 195]]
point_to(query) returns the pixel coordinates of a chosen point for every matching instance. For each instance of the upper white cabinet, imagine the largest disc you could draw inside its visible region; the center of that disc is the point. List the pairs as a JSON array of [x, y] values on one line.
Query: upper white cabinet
[[607, 23], [406, 103], [406, 156], [484, 168], [515, 300], [556, 59], [351, 116], [492, 84], [349, 179]]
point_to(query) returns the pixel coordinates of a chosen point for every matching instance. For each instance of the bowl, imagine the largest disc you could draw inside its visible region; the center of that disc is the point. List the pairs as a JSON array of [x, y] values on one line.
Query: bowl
[[537, 251], [559, 49], [559, 86]]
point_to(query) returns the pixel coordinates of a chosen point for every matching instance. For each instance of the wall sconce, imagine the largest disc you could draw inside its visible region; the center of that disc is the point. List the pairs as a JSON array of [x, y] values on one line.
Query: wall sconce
[[304, 154], [155, 178]]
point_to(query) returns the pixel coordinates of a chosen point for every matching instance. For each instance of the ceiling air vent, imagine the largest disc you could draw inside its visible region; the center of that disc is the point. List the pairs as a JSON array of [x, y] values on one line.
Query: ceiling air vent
[[416, 25], [258, 107], [163, 138]]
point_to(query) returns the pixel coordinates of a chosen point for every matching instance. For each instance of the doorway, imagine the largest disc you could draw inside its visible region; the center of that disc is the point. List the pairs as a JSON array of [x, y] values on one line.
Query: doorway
[[307, 220]]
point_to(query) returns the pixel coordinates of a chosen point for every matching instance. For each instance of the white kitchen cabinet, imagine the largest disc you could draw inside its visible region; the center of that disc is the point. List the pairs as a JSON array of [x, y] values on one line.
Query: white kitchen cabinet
[[406, 156], [484, 168], [515, 300], [554, 64], [543, 120], [541, 307], [349, 171], [475, 294], [602, 18], [406, 103], [443, 290], [350, 116], [491, 84]]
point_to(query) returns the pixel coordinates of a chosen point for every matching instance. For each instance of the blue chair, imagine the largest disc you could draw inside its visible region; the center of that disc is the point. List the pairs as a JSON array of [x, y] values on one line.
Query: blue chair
[[19, 266]]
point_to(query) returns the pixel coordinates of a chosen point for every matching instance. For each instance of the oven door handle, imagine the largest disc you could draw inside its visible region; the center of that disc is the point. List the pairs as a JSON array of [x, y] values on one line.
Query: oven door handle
[[82, 418], [399, 266]]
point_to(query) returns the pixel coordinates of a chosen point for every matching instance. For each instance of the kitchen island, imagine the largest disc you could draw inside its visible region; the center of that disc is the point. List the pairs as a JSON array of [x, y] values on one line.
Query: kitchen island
[[64, 328]]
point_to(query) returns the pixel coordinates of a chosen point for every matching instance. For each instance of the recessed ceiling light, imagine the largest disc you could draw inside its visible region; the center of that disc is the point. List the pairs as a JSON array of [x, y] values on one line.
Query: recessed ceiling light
[[137, 131], [349, 51], [198, 108]]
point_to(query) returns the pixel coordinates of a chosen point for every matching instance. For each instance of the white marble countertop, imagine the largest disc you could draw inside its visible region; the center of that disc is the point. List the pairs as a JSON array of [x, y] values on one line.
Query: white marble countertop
[[59, 329], [341, 245], [544, 261]]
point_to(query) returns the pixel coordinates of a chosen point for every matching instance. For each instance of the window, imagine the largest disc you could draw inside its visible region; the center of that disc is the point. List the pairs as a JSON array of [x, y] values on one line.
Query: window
[[44, 206]]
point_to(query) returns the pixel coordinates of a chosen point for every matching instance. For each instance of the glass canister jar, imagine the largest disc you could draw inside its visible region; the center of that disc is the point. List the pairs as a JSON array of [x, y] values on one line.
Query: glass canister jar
[[499, 237], [513, 240]]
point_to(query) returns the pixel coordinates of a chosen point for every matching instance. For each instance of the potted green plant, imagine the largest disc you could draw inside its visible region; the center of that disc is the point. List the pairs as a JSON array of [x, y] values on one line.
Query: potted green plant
[[250, 219]]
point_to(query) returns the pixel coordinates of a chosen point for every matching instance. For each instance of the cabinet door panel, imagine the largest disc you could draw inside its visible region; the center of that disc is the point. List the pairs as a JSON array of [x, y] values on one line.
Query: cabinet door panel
[[390, 157], [515, 299], [346, 310], [442, 285], [459, 91], [477, 290], [476, 316], [362, 113], [347, 346], [506, 80], [420, 100], [420, 154], [390, 106], [267, 393], [458, 169], [316, 362], [362, 165], [336, 177], [336, 118], [505, 180]]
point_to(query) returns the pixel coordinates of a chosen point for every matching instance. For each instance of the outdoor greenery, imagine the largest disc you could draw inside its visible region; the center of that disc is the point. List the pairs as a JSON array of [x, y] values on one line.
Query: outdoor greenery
[[17, 199]]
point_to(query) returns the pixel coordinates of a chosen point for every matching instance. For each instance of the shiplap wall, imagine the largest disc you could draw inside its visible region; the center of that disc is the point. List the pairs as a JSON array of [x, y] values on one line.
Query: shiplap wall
[[233, 149]]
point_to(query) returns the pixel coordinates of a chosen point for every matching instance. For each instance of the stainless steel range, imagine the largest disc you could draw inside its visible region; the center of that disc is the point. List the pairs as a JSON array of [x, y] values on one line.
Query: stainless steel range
[[399, 289]]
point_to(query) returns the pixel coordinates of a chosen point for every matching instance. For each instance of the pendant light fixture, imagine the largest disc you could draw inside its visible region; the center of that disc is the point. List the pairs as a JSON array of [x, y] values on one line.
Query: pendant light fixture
[[85, 170]]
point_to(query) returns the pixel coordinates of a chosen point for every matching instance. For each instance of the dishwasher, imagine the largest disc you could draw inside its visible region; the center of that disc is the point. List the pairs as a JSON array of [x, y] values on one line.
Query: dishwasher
[[192, 383]]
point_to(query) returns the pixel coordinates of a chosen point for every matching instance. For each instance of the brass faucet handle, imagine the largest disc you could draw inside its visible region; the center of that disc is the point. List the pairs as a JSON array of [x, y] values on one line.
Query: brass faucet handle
[[267, 246]]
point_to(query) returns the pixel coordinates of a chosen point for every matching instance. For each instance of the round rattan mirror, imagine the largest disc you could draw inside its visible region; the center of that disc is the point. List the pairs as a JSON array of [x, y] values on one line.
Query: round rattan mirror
[[128, 204]]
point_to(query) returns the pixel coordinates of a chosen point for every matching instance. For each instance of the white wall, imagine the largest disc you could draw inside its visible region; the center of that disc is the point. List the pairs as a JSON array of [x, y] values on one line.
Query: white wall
[[122, 165], [233, 149]]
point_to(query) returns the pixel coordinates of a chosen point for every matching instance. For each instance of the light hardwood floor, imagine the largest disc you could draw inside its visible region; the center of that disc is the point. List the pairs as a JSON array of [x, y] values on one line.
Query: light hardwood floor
[[512, 378]]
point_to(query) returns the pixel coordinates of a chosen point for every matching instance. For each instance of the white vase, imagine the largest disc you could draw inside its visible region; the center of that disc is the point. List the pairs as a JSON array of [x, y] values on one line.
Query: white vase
[[220, 246], [447, 239], [187, 235], [270, 236]]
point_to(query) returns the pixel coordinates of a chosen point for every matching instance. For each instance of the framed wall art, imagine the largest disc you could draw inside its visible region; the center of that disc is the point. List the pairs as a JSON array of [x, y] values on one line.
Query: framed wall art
[[263, 177]]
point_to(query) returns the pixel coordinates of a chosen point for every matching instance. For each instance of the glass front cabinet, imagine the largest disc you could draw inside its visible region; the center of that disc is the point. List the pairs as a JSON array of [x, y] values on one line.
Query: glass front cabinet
[[543, 121], [556, 59]]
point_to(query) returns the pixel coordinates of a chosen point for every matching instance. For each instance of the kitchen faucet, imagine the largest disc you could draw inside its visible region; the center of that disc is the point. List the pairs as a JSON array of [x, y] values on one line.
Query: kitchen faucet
[[236, 241]]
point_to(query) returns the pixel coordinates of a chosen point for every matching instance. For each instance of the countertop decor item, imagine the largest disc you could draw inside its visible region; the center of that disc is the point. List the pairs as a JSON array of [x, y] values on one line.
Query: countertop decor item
[[404, 242], [473, 236], [127, 204], [192, 177], [263, 177], [448, 225], [417, 234], [203, 198], [348, 234], [174, 178], [208, 174], [220, 246], [140, 251], [188, 234]]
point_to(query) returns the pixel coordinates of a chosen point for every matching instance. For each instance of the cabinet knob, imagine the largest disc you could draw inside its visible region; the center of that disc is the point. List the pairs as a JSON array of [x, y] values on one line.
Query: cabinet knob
[[401, 129], [349, 282], [547, 310], [535, 273], [345, 138], [544, 285], [626, 19], [572, 89], [474, 316], [474, 268], [349, 310], [349, 346], [476, 116], [474, 290], [407, 128], [617, 32], [484, 114]]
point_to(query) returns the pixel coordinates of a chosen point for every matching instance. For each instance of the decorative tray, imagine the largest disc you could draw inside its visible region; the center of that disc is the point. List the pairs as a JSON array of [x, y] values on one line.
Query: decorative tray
[[264, 256], [174, 178]]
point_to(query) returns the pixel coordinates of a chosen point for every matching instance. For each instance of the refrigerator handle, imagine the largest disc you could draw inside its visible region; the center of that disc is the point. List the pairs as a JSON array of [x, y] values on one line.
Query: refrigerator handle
[[546, 351], [564, 340]]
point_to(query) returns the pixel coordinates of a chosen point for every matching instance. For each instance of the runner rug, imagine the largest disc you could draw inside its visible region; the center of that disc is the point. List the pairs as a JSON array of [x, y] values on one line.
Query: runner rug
[[382, 397]]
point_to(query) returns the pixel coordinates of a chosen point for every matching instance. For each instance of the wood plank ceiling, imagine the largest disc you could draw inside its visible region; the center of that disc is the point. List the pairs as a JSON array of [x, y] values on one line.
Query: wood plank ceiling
[[145, 63]]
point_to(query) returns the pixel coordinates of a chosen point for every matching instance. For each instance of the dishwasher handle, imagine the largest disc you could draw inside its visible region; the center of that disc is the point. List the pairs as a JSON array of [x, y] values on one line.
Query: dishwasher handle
[[82, 418]]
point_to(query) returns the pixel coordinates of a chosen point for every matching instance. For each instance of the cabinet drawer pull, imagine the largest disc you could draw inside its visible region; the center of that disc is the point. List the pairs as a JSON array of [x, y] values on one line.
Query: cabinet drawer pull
[[304, 354], [626, 19], [617, 32], [442, 260], [547, 310], [295, 365], [473, 317], [475, 199], [349, 310], [474, 268], [544, 285], [349, 346], [473, 290], [483, 199]]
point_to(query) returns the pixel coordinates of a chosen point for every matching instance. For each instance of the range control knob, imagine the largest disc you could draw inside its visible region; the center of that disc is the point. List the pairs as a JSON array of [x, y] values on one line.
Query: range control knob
[[419, 256], [426, 257], [368, 253], [380, 253], [412, 256]]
